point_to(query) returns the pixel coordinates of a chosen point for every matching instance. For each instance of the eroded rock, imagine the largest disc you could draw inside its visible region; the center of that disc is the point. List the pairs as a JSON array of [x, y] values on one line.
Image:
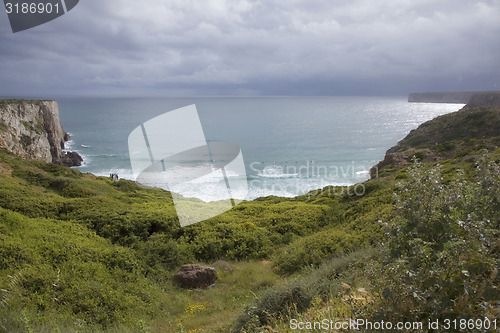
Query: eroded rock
[[33, 130], [195, 276]]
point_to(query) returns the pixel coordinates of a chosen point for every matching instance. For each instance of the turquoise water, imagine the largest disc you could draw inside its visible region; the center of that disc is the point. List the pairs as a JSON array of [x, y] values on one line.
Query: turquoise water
[[290, 145]]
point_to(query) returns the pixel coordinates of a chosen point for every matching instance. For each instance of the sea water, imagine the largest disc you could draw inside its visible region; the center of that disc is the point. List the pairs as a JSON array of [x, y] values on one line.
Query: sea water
[[290, 145]]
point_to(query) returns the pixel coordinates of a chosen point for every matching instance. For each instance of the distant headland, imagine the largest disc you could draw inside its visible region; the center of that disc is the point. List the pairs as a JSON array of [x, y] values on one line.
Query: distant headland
[[471, 98]]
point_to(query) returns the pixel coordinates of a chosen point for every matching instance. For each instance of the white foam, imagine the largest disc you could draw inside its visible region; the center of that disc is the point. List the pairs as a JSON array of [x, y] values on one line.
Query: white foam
[[276, 172], [68, 145], [86, 160]]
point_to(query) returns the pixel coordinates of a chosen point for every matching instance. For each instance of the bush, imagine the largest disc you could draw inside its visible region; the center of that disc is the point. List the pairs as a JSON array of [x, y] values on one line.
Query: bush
[[312, 250], [161, 252], [55, 267], [220, 240], [419, 156], [125, 185], [443, 247], [446, 146], [28, 201], [275, 303], [78, 189]]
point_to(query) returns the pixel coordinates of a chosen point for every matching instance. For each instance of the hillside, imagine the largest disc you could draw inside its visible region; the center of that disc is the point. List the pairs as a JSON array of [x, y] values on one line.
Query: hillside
[[102, 253], [468, 123], [80, 253], [445, 137]]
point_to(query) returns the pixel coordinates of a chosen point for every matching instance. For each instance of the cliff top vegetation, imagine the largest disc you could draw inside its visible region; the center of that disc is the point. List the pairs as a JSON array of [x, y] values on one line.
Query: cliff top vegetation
[[85, 253]]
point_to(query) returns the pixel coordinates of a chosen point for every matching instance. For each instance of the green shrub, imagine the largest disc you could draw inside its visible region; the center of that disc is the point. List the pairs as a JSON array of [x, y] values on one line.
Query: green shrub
[[33, 176], [26, 141], [419, 156], [126, 185], [446, 146], [32, 202], [67, 272], [76, 189], [56, 170], [442, 248], [312, 250], [27, 125], [160, 251], [276, 303], [284, 219], [219, 240]]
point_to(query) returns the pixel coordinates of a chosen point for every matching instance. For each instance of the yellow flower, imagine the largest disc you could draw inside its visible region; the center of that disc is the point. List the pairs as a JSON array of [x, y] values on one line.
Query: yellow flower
[[194, 308]]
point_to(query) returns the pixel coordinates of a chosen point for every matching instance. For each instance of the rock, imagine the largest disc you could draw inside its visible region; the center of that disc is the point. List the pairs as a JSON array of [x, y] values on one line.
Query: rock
[[400, 159], [70, 158], [33, 130], [195, 276]]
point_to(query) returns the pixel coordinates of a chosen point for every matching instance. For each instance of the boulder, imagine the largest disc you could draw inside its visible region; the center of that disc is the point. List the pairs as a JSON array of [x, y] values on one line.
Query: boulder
[[195, 276], [70, 158]]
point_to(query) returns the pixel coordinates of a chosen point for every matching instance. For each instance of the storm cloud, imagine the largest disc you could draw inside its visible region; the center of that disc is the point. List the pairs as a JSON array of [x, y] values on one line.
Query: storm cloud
[[244, 47]]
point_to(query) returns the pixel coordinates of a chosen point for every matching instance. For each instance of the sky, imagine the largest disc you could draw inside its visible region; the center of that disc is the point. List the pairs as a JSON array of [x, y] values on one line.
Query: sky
[[116, 48]]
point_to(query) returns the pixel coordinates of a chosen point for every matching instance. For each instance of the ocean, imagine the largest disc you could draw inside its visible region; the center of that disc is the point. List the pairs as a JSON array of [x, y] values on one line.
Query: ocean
[[290, 145]]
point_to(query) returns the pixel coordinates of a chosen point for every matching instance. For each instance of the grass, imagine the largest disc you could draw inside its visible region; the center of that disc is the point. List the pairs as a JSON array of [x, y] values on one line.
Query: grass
[[215, 309], [4, 102], [211, 310], [299, 297]]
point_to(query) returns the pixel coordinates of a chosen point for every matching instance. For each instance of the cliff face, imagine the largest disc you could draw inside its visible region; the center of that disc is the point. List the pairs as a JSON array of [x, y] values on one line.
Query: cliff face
[[33, 130]]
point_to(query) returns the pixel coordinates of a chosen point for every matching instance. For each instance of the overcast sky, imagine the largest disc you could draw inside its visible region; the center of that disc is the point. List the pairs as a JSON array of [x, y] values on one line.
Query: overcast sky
[[247, 47]]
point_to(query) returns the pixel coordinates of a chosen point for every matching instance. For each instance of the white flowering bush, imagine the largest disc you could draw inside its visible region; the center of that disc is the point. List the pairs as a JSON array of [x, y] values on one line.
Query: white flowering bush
[[442, 247]]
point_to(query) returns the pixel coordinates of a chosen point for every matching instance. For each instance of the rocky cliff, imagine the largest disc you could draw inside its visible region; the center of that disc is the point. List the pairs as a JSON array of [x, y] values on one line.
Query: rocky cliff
[[33, 130]]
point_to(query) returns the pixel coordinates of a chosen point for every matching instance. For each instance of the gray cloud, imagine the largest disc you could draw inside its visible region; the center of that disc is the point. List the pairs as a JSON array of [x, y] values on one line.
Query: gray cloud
[[124, 47]]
